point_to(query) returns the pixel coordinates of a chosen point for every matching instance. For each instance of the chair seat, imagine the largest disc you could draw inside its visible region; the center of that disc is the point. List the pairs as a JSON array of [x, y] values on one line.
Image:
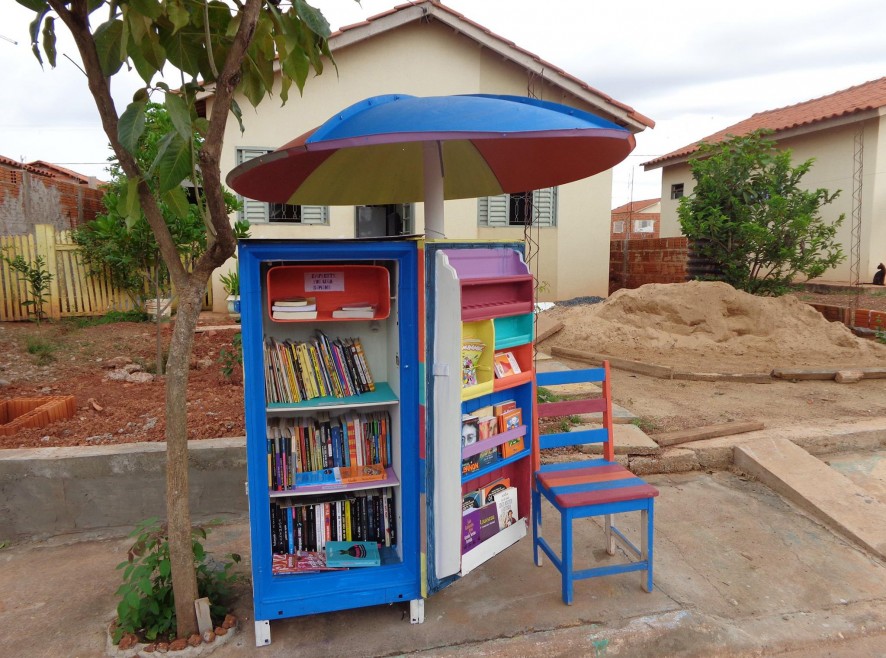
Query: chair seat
[[593, 483]]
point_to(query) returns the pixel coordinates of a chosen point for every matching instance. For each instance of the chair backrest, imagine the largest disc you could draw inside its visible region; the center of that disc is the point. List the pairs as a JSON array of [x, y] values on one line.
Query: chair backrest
[[591, 403]]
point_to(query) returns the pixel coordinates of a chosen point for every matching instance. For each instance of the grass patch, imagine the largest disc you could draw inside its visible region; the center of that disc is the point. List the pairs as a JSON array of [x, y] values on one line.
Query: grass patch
[[42, 349], [546, 395], [644, 424], [111, 317]]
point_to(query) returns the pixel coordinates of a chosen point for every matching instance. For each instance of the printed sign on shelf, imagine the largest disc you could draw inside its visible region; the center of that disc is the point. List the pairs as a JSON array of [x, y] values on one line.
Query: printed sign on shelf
[[324, 281]]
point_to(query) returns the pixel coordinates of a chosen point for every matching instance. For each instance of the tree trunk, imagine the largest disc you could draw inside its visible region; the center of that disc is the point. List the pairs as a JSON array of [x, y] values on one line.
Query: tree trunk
[[178, 513]]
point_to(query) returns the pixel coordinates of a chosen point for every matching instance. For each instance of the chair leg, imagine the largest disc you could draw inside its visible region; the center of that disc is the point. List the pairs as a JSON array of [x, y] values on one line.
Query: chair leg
[[536, 526], [647, 522], [566, 555], [610, 537]]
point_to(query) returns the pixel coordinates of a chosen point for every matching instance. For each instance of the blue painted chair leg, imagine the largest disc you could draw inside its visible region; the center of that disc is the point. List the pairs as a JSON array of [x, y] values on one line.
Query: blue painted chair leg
[[647, 525], [566, 555], [536, 526]]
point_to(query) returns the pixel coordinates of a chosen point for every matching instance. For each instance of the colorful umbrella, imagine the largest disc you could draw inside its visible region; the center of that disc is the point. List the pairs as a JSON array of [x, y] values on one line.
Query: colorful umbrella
[[400, 149]]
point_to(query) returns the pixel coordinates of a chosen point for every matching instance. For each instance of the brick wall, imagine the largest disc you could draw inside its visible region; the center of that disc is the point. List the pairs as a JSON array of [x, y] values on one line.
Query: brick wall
[[633, 263], [627, 223], [28, 199]]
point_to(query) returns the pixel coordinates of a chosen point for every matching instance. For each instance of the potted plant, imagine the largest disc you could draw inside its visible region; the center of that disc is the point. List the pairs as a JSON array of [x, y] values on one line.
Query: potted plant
[[231, 283]]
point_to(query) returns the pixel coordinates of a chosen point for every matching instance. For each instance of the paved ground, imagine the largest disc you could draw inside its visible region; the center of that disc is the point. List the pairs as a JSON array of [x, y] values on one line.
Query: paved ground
[[739, 571]]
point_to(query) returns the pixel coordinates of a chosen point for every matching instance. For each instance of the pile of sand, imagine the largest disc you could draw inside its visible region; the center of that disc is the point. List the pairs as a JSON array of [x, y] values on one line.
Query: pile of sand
[[711, 327]]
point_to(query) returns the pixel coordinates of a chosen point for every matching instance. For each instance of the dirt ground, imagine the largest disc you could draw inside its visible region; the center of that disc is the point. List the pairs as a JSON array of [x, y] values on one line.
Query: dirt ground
[[123, 412], [788, 334]]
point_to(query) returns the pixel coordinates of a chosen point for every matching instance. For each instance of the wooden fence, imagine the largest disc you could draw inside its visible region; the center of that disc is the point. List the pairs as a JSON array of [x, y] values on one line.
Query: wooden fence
[[73, 292]]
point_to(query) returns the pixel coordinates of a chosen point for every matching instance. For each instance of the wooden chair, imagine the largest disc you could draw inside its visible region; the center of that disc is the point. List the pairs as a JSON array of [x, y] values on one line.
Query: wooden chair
[[595, 487]]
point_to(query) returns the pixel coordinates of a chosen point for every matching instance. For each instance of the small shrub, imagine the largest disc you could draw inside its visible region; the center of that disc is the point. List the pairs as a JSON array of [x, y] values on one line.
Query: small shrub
[[42, 349], [147, 606], [232, 359], [38, 279]]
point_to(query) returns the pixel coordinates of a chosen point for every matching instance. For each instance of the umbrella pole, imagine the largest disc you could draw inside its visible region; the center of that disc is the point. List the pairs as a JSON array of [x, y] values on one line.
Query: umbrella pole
[[433, 178]]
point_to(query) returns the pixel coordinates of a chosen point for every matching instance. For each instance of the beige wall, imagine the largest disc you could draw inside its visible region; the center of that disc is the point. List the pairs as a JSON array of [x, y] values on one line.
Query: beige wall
[[429, 60], [833, 169]]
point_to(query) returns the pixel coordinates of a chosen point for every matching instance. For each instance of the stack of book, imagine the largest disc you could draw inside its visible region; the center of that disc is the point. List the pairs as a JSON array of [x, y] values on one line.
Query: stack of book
[[294, 308], [358, 310]]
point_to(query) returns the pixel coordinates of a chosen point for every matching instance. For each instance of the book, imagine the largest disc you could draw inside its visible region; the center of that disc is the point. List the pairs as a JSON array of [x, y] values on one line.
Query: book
[[487, 427], [471, 350], [505, 364], [367, 312], [371, 473], [469, 430], [470, 500], [294, 302], [506, 506], [510, 420], [299, 562], [357, 306], [470, 529], [505, 405], [294, 315], [306, 308], [488, 521], [352, 554], [512, 447], [488, 491]]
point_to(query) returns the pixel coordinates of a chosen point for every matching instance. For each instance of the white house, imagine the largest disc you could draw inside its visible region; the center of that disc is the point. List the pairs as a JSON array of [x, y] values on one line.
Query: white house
[[846, 134], [427, 49]]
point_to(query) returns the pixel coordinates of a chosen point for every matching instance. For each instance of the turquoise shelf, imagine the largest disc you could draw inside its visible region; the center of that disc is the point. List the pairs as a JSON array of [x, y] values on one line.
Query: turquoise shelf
[[381, 395]]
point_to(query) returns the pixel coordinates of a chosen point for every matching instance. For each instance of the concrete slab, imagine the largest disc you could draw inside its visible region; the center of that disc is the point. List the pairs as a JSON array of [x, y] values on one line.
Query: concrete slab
[[629, 440], [824, 492], [737, 572], [866, 469]]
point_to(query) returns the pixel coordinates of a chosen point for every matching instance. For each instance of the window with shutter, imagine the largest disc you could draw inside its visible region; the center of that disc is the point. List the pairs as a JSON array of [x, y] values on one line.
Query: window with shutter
[[256, 212], [539, 208]]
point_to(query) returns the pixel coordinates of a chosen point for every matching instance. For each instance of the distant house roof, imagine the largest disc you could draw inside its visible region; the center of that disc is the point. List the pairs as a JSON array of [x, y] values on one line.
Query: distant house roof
[[47, 169], [857, 100], [635, 206], [415, 11], [56, 171], [15, 164]]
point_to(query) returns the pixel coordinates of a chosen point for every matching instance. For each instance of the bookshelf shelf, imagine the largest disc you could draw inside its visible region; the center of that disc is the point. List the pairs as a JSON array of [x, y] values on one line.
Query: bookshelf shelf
[[332, 285], [382, 395], [389, 481], [501, 463]]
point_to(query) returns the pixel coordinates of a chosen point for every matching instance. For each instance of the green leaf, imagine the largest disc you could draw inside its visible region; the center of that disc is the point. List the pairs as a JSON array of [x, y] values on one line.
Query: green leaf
[[177, 201], [49, 40], [35, 5], [133, 207], [109, 44], [180, 115], [238, 114], [34, 32], [175, 164], [312, 17], [132, 125], [149, 8], [178, 15]]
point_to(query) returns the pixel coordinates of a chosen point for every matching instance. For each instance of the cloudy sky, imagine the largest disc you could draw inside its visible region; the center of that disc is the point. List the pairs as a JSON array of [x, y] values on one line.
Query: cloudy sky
[[694, 67]]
